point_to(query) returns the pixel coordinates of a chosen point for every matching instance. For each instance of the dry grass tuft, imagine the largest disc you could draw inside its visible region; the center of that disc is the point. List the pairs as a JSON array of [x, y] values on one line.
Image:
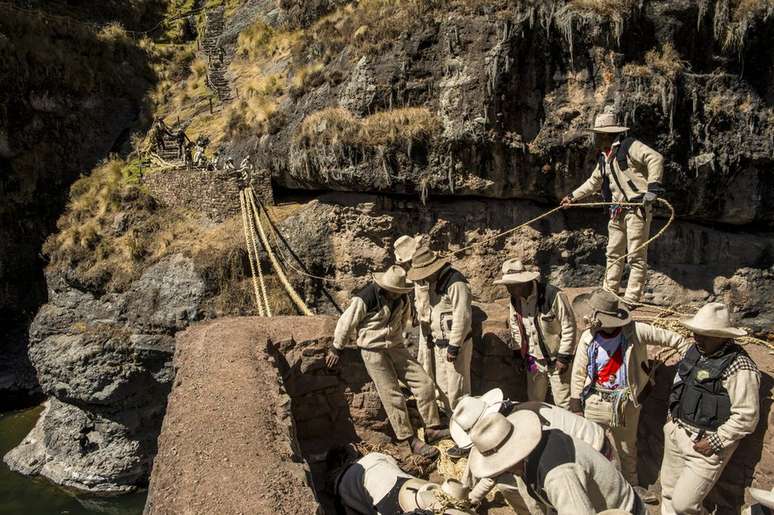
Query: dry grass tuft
[[607, 8], [337, 126], [666, 61]]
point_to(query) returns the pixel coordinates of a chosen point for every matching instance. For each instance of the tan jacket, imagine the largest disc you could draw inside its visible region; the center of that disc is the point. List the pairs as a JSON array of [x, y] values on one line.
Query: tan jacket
[[557, 326], [552, 417], [638, 335], [377, 328], [646, 169], [451, 313]]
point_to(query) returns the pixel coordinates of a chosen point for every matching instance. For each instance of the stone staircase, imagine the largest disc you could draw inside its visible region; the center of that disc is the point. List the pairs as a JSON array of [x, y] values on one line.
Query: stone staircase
[[218, 64], [169, 152]]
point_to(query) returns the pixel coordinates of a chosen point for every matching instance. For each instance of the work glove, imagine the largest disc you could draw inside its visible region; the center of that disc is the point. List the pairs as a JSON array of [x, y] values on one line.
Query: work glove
[[576, 407], [332, 358], [452, 351], [649, 198]]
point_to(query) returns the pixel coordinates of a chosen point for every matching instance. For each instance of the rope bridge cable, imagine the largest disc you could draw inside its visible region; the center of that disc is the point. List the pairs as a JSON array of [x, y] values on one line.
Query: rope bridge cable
[[275, 264], [251, 251], [267, 307]]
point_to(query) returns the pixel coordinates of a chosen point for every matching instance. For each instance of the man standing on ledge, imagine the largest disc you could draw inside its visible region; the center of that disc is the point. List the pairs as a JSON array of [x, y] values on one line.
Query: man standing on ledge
[[627, 171], [713, 405], [378, 315]]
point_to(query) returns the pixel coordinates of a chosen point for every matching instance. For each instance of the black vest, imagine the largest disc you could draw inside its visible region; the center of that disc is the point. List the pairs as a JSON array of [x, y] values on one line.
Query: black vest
[[622, 156], [698, 396], [555, 448]]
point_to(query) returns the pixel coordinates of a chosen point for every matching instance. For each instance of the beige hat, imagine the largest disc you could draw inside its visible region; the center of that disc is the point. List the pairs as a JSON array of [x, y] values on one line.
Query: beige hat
[[500, 443], [420, 494], [713, 320], [765, 497], [394, 280], [468, 411], [514, 272], [425, 263], [405, 247], [603, 306], [608, 122]]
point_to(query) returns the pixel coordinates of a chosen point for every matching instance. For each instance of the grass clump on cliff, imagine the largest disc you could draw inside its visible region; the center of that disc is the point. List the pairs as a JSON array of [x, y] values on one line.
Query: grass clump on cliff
[[337, 126], [665, 61]]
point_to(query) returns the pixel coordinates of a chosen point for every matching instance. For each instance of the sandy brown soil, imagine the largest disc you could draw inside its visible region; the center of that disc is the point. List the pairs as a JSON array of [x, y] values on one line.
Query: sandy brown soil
[[225, 447]]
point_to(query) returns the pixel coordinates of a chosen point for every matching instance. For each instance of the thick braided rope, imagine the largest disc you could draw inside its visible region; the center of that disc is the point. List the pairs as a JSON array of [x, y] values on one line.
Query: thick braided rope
[[250, 244]]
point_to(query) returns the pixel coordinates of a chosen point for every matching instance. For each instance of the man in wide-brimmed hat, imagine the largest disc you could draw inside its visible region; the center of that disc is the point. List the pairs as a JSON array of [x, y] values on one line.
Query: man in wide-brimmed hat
[[451, 333], [627, 171], [543, 330], [713, 405], [472, 409], [375, 484], [561, 472], [377, 316], [611, 371]]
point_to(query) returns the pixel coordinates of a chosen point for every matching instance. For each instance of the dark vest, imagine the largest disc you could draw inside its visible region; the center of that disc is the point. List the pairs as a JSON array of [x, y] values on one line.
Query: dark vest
[[448, 277], [622, 156], [698, 396], [555, 448]]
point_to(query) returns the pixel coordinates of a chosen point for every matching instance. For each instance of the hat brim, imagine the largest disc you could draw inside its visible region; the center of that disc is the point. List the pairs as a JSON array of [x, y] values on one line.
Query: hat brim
[[765, 497], [613, 129], [727, 332], [518, 278], [408, 496], [525, 437], [417, 274], [460, 436], [582, 308], [379, 280]]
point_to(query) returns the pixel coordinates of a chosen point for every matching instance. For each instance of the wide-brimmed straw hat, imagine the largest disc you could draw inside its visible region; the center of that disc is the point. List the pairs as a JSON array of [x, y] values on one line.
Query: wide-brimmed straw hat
[[425, 263], [500, 443], [608, 122], [404, 248], [765, 497], [713, 319], [393, 279], [468, 411], [603, 306], [514, 272]]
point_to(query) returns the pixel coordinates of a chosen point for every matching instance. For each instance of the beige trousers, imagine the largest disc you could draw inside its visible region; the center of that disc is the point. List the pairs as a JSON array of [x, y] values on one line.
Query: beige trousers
[[625, 233], [537, 386], [386, 367], [624, 437], [453, 379], [687, 476]]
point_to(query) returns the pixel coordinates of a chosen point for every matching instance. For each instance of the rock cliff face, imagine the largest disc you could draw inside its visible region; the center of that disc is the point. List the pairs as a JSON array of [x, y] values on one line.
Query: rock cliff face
[[106, 364], [69, 96]]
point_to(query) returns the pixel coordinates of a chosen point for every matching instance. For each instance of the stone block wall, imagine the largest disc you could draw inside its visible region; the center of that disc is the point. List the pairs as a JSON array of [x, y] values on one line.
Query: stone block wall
[[213, 193]]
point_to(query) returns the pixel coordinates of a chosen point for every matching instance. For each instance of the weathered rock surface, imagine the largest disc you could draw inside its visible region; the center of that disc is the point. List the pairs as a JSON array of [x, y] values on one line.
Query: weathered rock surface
[[348, 236], [105, 363], [514, 86]]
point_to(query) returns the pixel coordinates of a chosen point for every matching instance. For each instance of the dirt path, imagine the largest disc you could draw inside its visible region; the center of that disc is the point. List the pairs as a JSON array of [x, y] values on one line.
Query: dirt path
[[225, 445]]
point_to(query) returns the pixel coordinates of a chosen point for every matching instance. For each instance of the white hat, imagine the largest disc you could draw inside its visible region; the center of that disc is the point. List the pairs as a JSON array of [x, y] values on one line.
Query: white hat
[[765, 497], [608, 122], [468, 411], [405, 246], [514, 272], [394, 280], [420, 494], [500, 443], [713, 320]]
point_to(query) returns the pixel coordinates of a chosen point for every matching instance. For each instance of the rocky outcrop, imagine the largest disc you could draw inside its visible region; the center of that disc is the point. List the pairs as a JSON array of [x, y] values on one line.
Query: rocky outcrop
[[513, 87], [348, 236], [106, 364]]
